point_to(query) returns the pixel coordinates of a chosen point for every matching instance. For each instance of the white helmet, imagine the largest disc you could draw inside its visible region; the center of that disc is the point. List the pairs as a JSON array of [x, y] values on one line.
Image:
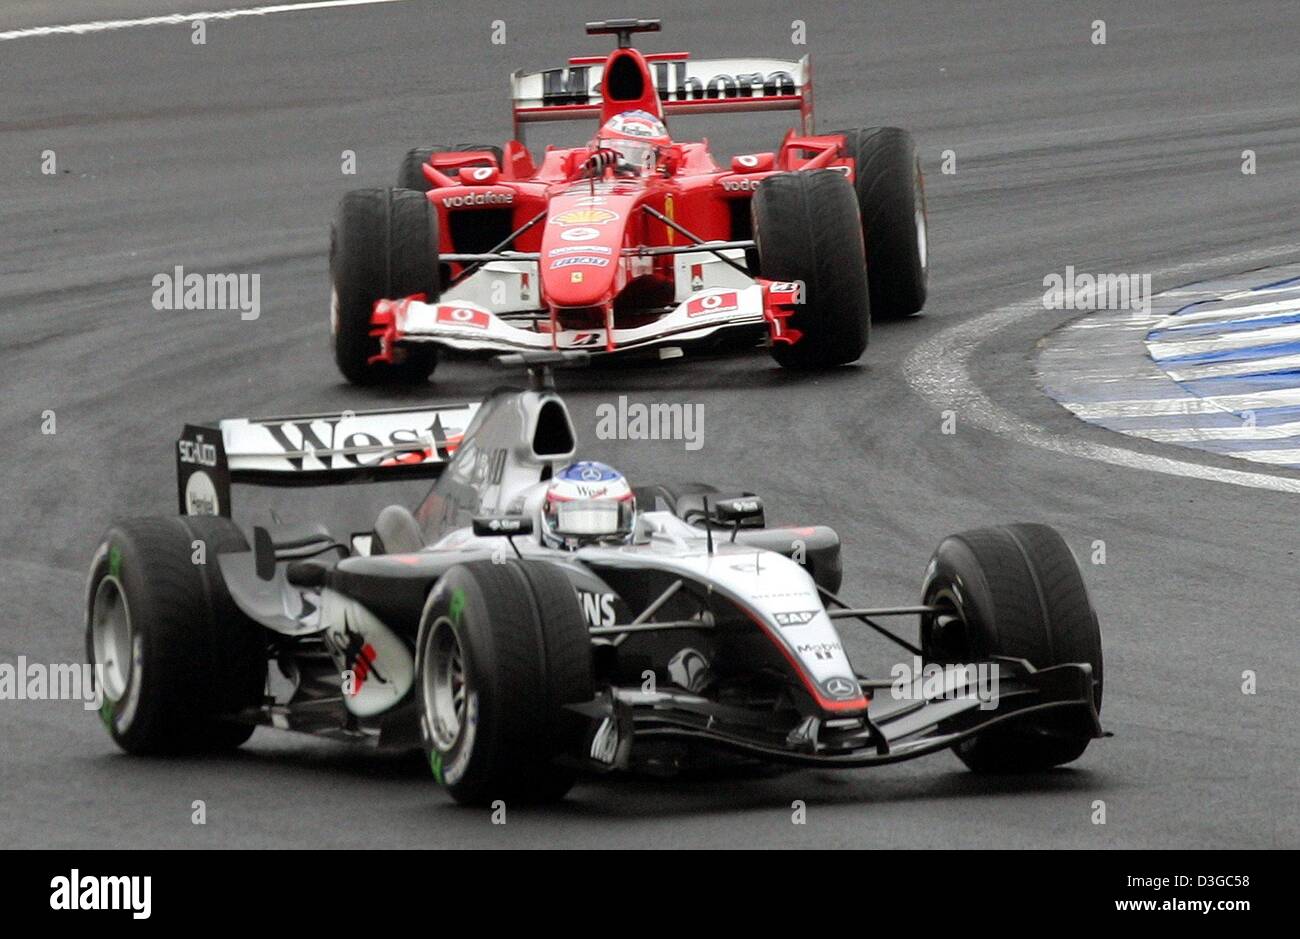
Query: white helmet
[[587, 503], [637, 137]]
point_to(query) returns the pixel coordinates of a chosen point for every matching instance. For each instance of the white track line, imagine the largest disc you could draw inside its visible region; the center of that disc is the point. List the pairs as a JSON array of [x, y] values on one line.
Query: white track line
[[1162, 349], [1277, 363], [1281, 457], [1202, 404], [1207, 434], [1256, 311], [938, 370], [171, 19]]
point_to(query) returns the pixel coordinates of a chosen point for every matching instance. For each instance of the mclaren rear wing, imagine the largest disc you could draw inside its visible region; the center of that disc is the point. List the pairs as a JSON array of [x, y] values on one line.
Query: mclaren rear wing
[[685, 86], [314, 450]]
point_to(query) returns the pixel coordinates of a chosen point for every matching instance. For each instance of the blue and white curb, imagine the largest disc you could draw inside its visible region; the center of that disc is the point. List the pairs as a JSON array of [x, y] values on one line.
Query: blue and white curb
[[1215, 366]]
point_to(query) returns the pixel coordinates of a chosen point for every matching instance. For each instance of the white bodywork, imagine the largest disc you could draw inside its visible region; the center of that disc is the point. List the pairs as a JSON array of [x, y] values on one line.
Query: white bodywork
[[351, 439], [776, 592], [685, 84], [472, 327]]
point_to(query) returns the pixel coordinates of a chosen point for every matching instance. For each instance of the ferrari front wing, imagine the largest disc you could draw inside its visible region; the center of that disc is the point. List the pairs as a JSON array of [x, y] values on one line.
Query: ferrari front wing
[[472, 328]]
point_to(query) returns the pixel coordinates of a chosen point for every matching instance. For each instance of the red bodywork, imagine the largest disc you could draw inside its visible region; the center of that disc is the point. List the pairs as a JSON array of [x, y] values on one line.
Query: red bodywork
[[590, 273]]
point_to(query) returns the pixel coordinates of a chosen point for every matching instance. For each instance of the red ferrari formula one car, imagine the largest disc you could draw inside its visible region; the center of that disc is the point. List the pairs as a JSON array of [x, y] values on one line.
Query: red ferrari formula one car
[[633, 241]]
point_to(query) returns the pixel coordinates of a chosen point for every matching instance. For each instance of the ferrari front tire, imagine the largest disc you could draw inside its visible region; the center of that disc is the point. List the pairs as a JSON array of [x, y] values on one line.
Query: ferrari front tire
[[891, 200], [1015, 591], [383, 246], [175, 659], [502, 649], [807, 231]]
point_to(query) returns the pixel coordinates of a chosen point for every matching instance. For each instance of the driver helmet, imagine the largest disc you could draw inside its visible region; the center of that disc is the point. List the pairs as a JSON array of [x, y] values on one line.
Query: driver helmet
[[588, 503], [637, 137]]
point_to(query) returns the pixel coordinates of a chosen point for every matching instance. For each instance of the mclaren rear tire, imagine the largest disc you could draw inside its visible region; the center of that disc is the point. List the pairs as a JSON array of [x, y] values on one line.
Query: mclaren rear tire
[[175, 659]]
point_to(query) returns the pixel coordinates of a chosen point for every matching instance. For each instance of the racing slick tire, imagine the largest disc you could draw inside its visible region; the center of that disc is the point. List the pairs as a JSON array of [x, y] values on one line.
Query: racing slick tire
[[1013, 590], [502, 649], [383, 246], [409, 174], [891, 199], [178, 658], [807, 230]]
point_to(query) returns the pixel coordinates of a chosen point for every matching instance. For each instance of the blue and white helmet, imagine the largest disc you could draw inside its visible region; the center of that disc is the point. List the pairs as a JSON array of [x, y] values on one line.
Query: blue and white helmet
[[588, 503]]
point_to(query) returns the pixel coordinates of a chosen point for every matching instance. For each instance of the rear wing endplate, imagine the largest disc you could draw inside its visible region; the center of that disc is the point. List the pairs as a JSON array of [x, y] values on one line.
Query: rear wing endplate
[[314, 450], [685, 86]]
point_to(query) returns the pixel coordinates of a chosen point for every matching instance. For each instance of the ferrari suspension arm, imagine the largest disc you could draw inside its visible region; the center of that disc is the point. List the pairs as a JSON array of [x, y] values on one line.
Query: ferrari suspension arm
[[496, 249], [712, 249], [463, 257], [644, 251], [714, 246]]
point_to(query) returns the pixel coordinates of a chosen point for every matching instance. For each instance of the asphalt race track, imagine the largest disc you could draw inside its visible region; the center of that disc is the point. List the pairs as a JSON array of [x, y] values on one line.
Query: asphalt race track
[[1123, 157]]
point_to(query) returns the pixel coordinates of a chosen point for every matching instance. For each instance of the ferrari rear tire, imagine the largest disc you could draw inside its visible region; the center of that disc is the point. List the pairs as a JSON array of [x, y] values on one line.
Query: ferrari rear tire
[[383, 246], [1016, 591], [891, 199], [807, 230], [502, 649], [175, 659], [411, 176]]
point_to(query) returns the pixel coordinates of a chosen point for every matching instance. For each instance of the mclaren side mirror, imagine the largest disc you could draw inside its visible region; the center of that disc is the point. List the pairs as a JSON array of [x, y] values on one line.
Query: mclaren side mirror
[[507, 526], [738, 509]]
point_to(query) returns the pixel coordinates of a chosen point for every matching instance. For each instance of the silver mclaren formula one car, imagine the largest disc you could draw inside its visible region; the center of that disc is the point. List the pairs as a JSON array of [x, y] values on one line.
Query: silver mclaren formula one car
[[537, 616]]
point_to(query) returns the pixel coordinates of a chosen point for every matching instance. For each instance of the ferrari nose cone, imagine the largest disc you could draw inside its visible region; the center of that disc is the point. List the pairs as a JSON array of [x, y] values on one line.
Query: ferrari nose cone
[[580, 251]]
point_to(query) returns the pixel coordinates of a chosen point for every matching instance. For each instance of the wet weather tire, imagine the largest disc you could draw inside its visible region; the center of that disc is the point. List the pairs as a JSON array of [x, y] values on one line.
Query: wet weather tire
[[1014, 590], [502, 649], [807, 230], [179, 659], [383, 246], [891, 200]]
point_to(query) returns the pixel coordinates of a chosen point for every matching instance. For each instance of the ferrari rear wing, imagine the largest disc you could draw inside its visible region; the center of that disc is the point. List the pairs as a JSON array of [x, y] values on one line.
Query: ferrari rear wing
[[314, 450], [685, 86]]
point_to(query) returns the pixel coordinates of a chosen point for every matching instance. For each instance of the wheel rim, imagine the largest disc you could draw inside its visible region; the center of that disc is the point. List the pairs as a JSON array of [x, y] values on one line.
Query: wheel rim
[[922, 236], [112, 637], [445, 687], [946, 628]]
